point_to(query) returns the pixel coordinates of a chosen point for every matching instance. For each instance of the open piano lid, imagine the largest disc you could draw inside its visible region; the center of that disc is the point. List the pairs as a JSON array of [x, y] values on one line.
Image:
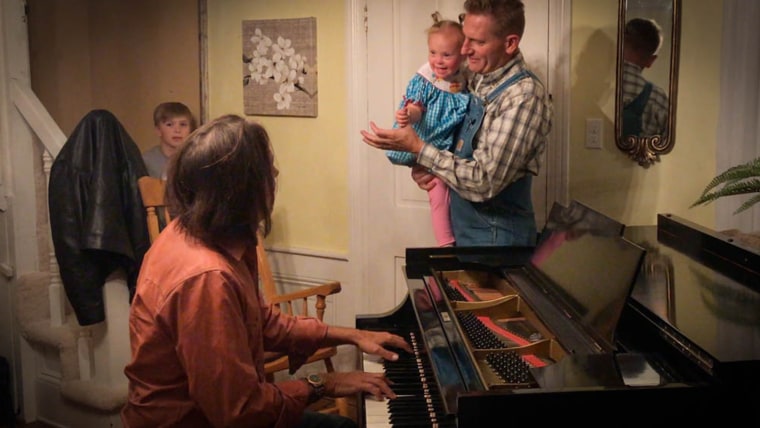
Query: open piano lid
[[582, 264], [587, 267]]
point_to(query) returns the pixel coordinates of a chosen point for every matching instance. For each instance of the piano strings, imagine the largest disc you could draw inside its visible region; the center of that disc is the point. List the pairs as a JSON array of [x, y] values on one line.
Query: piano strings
[[487, 334]]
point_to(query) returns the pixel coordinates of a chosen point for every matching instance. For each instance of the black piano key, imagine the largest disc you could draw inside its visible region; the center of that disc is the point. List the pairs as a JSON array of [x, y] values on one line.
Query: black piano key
[[414, 424], [413, 412], [419, 402], [414, 404]]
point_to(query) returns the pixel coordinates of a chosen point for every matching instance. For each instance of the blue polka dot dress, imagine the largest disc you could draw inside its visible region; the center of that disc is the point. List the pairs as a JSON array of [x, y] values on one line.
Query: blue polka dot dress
[[444, 105]]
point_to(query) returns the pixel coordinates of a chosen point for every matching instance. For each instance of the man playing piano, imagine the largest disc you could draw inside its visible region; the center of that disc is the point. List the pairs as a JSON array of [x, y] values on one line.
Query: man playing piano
[[198, 325], [499, 146]]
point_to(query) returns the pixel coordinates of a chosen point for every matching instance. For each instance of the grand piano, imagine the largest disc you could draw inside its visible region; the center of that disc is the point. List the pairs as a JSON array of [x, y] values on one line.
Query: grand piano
[[599, 324]]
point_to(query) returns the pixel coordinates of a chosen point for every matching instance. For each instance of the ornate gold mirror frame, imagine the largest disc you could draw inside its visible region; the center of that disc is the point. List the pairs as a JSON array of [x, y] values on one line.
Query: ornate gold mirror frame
[[643, 146]]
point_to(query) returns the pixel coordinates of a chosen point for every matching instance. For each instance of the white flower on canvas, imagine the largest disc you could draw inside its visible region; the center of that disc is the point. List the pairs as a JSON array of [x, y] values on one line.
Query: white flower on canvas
[[278, 77], [282, 98], [278, 63]]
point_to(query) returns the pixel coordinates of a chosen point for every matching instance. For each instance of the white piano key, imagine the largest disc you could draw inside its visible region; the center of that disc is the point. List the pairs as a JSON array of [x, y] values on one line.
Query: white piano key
[[373, 365], [376, 413]]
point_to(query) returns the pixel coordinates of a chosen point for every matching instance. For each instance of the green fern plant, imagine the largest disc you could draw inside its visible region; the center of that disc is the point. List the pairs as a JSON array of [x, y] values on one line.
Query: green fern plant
[[738, 180]]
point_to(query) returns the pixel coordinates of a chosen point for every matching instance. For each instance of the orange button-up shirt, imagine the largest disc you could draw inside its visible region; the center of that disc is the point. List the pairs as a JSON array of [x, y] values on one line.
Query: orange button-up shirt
[[198, 329]]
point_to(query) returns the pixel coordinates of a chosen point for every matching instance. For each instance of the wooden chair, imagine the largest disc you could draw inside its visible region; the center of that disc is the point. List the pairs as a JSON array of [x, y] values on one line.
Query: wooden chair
[[308, 302], [152, 194], [300, 303]]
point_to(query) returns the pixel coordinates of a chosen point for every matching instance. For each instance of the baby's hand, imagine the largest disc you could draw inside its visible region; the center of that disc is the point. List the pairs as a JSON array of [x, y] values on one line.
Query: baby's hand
[[402, 117]]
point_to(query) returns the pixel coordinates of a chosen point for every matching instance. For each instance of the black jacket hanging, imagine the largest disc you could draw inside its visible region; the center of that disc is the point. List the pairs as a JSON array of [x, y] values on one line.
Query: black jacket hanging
[[97, 219]]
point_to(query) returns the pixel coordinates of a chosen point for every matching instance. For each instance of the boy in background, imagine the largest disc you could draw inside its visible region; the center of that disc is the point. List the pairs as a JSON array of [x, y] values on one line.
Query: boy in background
[[174, 122]]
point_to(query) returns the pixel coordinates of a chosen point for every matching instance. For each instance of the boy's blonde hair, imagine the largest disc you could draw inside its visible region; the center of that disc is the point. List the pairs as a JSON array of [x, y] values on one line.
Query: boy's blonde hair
[[169, 110]]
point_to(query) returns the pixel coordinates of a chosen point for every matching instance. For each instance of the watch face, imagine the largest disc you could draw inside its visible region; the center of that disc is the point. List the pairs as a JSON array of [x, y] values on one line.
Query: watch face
[[315, 379]]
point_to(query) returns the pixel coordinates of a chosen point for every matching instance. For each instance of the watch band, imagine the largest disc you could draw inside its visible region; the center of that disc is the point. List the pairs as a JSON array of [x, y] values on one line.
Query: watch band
[[317, 385]]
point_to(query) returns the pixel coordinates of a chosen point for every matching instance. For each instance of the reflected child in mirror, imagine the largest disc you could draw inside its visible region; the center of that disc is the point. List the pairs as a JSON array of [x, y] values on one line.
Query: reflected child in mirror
[[645, 105]]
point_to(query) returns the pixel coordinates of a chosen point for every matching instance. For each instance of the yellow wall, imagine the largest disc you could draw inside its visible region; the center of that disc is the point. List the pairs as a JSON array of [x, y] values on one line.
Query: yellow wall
[[121, 56], [607, 179], [311, 210], [311, 207]]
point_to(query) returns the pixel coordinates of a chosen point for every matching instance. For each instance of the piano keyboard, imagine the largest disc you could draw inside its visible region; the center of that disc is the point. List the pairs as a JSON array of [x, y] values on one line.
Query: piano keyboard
[[419, 402]]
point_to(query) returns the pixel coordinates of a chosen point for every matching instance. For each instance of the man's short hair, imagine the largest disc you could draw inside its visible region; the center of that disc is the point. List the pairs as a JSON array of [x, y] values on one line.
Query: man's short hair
[[643, 35], [509, 14]]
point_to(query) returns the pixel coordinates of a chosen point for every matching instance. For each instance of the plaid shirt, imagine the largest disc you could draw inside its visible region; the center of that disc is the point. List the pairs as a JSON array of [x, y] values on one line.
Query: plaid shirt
[[509, 143], [654, 120]]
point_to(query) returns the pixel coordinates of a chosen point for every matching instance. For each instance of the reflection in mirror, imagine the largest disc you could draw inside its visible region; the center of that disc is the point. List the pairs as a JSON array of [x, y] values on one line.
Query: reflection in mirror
[[647, 78]]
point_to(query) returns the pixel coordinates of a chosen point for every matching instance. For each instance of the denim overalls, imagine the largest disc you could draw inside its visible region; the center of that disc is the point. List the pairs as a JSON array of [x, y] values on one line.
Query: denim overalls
[[633, 113], [508, 218]]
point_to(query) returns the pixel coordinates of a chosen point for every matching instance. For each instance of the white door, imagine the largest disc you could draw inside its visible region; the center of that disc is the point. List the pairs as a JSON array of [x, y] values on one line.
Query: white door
[[398, 211]]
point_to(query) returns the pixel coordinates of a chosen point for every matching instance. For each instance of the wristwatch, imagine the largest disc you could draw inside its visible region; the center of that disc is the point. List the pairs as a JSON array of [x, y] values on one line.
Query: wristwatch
[[317, 387]]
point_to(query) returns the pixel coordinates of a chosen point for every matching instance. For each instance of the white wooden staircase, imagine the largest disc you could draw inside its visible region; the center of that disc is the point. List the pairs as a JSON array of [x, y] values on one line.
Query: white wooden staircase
[[73, 375]]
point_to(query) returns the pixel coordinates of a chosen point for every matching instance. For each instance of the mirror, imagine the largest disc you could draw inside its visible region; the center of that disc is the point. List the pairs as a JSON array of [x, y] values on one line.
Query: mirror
[[647, 78]]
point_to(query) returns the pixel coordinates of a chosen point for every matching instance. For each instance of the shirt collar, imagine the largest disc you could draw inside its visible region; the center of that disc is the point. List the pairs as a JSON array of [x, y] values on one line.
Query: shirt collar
[[631, 65], [499, 74], [489, 81], [237, 248]]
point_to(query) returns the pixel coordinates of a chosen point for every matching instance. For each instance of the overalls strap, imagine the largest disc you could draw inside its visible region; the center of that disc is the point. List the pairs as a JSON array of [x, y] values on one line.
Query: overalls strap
[[508, 218]]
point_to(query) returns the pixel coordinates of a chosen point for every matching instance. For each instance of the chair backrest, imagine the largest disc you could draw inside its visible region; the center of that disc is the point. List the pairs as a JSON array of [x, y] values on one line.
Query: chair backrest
[[157, 216], [152, 192], [266, 279]]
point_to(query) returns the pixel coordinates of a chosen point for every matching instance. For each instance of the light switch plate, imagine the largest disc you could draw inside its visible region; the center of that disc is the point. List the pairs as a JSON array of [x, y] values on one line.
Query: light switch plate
[[594, 132]]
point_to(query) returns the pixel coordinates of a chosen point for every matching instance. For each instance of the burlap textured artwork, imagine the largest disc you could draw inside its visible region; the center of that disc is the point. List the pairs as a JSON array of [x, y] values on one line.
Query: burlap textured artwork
[[280, 67]]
